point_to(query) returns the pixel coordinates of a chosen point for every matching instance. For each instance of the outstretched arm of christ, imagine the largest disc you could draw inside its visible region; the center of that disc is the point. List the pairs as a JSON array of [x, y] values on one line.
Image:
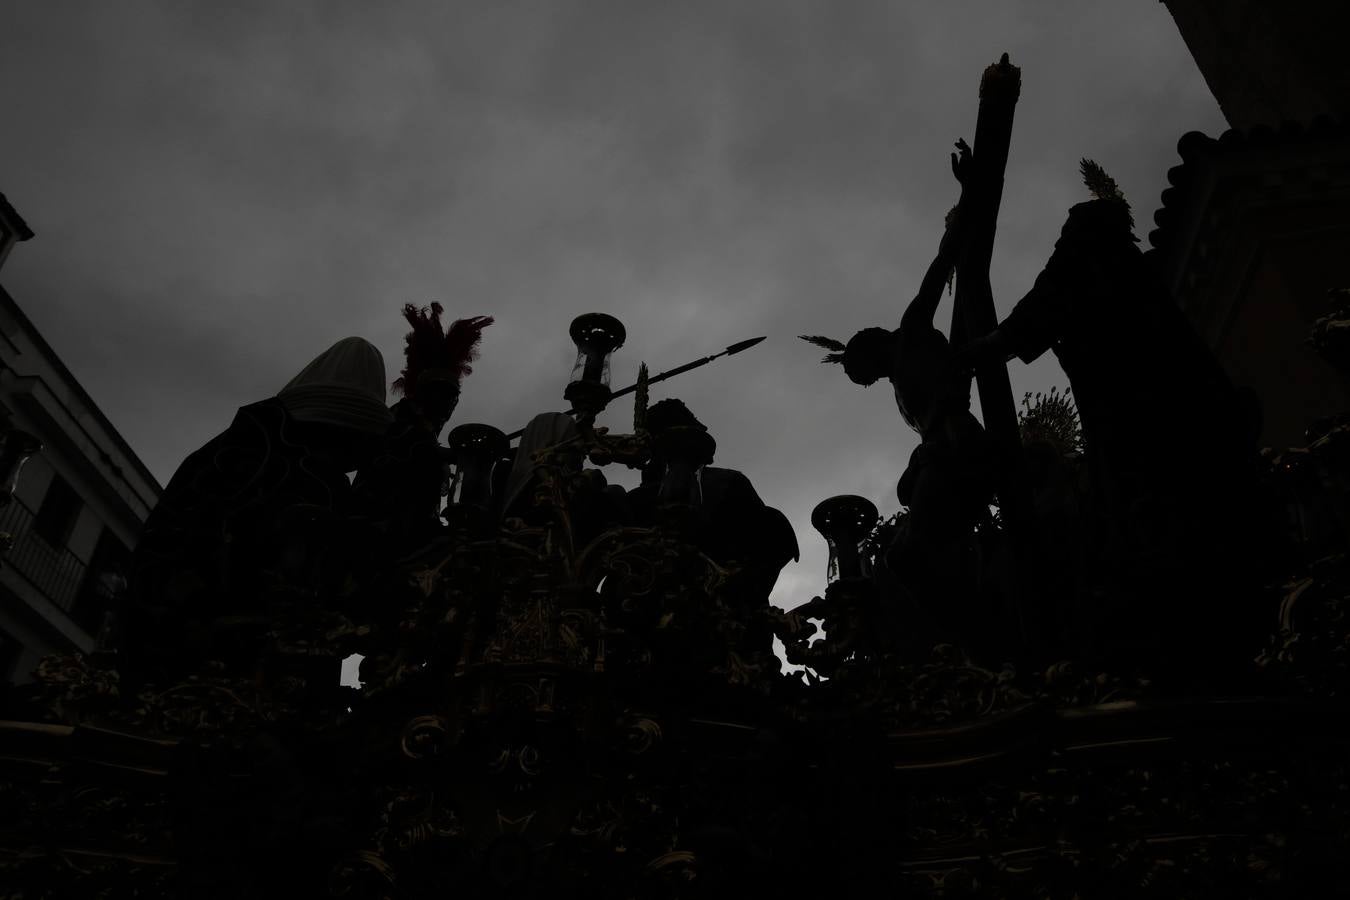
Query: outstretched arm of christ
[[924, 306]]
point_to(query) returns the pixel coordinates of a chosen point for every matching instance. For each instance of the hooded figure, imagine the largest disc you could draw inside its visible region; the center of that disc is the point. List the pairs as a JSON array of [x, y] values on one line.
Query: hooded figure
[[545, 430], [247, 521], [341, 389]]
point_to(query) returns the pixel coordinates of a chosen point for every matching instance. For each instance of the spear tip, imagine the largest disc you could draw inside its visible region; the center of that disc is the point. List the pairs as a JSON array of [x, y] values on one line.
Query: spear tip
[[744, 345]]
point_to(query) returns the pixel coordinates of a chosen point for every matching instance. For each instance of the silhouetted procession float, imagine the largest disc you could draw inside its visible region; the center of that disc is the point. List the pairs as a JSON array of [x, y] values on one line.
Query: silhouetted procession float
[[1107, 662]]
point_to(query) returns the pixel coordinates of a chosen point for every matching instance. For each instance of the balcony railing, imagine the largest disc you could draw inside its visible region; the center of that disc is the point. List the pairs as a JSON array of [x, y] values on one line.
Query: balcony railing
[[54, 571]]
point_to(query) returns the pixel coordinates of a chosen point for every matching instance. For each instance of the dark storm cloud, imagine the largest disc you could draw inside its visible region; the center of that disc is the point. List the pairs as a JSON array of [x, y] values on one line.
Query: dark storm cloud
[[222, 190]]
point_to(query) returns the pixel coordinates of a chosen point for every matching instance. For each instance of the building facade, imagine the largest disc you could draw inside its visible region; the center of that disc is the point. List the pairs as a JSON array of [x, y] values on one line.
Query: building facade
[[79, 503], [1269, 63], [1254, 228]]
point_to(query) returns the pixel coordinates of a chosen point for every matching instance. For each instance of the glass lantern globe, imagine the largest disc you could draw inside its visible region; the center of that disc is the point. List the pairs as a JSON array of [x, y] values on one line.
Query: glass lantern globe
[[597, 336], [845, 522], [473, 450]]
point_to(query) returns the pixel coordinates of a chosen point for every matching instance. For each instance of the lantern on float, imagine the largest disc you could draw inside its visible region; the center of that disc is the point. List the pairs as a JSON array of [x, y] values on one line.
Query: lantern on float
[[597, 336], [845, 522], [473, 451]]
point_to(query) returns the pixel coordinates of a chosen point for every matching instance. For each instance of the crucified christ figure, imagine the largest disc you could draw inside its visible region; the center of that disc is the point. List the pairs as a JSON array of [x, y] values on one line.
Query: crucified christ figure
[[949, 482]]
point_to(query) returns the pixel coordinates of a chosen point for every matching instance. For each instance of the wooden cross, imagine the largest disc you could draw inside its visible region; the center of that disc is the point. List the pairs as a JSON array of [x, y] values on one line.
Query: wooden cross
[[973, 312]]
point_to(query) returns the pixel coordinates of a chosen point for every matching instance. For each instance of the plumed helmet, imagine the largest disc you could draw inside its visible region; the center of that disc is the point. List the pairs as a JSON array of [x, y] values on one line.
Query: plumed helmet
[[434, 354]]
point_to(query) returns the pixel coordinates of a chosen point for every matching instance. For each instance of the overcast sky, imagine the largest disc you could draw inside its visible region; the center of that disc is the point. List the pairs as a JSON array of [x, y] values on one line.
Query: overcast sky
[[221, 190]]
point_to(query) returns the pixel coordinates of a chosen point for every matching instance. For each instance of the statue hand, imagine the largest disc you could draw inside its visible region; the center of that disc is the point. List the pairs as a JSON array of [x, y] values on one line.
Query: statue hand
[[961, 162]]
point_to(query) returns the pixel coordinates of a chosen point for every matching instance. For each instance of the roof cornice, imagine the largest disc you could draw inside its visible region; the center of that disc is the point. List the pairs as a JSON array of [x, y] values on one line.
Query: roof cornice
[[11, 215]]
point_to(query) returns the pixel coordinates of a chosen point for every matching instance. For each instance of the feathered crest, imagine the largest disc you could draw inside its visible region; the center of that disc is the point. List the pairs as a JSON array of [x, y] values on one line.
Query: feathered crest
[[1103, 186], [431, 349], [836, 348]]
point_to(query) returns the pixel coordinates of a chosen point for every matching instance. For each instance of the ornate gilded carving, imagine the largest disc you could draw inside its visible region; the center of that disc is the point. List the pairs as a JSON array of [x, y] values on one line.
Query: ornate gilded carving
[[570, 708]]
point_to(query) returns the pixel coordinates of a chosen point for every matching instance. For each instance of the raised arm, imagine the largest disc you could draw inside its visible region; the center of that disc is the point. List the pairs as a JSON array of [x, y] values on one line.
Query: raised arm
[[924, 306]]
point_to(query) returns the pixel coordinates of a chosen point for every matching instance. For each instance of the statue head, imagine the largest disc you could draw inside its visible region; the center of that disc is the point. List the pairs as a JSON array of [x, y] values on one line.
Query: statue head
[[671, 413], [868, 354]]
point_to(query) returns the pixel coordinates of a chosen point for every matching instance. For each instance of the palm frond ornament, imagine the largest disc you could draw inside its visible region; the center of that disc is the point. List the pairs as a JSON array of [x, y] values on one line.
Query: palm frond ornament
[[836, 348], [640, 400], [1051, 418], [1103, 186]]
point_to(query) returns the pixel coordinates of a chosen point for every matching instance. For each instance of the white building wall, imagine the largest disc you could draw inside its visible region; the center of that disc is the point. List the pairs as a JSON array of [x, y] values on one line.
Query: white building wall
[[39, 395]]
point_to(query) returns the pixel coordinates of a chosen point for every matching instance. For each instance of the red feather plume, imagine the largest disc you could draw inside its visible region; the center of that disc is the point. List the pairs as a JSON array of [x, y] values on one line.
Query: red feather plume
[[430, 348]]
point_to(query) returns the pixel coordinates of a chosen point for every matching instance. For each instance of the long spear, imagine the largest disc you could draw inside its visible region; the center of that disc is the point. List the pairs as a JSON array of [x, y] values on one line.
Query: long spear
[[669, 373]]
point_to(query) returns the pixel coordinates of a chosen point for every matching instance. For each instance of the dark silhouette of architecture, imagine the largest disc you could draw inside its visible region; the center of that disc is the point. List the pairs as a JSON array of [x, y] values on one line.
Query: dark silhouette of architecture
[[1268, 65], [1253, 231]]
